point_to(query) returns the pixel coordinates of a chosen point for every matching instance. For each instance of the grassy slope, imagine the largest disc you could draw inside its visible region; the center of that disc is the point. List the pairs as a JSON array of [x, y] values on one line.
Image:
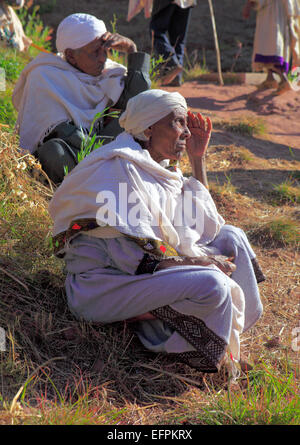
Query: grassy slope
[[56, 370]]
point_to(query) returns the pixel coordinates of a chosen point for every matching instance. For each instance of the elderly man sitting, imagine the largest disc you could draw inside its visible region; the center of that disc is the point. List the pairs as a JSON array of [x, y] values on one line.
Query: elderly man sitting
[[58, 96]]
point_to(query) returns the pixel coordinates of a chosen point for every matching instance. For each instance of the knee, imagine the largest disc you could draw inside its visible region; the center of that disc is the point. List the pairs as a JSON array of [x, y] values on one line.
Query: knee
[[230, 239], [219, 291], [233, 232], [55, 160]]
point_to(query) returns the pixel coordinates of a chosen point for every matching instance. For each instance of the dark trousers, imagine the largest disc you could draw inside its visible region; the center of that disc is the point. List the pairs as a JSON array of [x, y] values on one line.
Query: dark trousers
[[169, 27]]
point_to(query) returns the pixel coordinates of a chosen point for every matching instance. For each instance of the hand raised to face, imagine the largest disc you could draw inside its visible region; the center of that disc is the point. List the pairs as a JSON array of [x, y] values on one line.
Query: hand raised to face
[[115, 41], [200, 129]]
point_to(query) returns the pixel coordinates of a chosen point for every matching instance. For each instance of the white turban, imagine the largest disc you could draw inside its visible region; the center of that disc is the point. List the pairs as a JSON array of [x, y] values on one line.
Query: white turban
[[78, 30], [149, 107]]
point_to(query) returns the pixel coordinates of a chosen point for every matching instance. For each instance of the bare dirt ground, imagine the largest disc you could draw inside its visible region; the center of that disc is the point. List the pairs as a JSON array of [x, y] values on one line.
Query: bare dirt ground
[[281, 114]]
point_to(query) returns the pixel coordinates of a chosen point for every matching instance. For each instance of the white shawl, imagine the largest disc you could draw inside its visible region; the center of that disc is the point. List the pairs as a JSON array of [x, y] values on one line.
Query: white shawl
[[121, 185], [50, 91]]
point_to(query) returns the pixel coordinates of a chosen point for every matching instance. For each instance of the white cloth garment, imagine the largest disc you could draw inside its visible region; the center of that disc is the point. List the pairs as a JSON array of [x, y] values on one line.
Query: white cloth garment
[[77, 30], [50, 91], [122, 187], [155, 104], [105, 186], [143, 199]]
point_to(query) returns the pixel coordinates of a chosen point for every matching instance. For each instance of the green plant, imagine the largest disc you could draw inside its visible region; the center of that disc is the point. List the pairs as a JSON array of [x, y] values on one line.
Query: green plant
[[92, 141], [35, 29], [195, 72], [115, 55], [286, 193], [247, 126], [270, 398], [155, 64], [193, 68], [11, 64], [277, 232], [8, 114]]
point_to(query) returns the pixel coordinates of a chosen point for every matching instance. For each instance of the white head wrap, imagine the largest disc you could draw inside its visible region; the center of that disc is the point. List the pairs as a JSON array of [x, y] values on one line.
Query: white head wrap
[[78, 30], [149, 107]]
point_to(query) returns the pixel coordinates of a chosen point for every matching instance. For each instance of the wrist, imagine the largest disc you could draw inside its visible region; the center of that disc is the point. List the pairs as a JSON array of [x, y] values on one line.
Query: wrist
[[197, 161], [132, 48]]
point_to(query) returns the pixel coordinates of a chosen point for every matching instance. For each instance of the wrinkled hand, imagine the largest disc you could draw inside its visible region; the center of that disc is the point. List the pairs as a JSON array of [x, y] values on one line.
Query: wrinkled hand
[[222, 262], [114, 41], [200, 129]]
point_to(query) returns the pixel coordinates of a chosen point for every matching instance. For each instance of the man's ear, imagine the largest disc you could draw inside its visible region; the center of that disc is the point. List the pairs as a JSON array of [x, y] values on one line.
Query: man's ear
[[148, 132], [69, 55]]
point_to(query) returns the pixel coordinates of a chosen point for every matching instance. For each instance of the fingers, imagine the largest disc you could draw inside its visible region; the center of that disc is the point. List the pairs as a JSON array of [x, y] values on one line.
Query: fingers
[[223, 263], [110, 40], [118, 42], [209, 124], [225, 266], [196, 120]]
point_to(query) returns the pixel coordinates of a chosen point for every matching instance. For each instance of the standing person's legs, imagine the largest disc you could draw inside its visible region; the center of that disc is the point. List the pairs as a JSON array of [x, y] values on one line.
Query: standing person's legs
[[178, 30], [159, 28]]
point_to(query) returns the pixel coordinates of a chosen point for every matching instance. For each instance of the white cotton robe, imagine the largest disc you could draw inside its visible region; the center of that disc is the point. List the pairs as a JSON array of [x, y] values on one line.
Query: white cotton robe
[[101, 283]]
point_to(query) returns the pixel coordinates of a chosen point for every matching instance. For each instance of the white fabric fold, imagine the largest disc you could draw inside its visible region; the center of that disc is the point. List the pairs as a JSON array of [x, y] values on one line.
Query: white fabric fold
[[122, 186], [50, 91]]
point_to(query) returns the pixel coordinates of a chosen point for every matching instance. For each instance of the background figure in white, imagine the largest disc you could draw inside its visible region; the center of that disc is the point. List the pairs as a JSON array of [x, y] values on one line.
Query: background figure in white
[[276, 40], [11, 29]]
